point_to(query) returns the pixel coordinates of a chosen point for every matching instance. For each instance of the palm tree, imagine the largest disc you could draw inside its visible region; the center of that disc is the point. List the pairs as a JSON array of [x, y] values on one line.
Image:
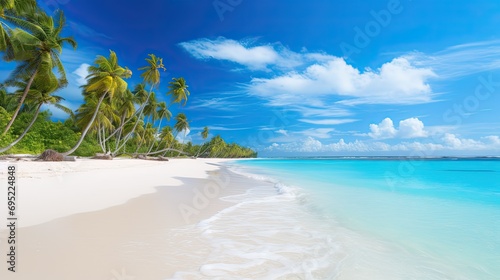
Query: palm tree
[[104, 120], [39, 98], [151, 72], [37, 46], [126, 109], [6, 99], [167, 137], [14, 8], [140, 96], [105, 79], [149, 113], [181, 124], [162, 113], [18, 7], [178, 90], [151, 75], [204, 134]]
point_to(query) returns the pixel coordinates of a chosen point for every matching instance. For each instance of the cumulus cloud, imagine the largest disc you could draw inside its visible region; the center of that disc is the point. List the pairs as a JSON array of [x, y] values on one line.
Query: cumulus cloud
[[330, 85], [184, 136], [412, 128], [385, 129], [82, 72], [447, 143], [408, 128], [395, 82]]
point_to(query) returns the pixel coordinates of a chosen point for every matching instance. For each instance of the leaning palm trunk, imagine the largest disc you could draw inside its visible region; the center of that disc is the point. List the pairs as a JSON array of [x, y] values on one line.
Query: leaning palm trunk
[[100, 138], [151, 146], [184, 139], [141, 141], [166, 150], [157, 131], [120, 130], [128, 136], [21, 102], [24, 132], [171, 144], [202, 153], [88, 126], [138, 113]]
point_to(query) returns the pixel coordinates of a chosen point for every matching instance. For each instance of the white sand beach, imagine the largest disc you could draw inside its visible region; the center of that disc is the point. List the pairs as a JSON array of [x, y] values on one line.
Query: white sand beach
[[97, 219]]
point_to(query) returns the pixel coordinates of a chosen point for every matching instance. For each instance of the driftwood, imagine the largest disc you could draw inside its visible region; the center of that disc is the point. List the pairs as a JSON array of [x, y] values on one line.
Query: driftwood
[[141, 157], [18, 157], [103, 156], [51, 155], [159, 158], [162, 158]]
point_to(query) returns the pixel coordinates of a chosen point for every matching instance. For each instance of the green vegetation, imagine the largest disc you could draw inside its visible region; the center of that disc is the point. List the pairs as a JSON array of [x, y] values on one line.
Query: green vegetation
[[113, 119]]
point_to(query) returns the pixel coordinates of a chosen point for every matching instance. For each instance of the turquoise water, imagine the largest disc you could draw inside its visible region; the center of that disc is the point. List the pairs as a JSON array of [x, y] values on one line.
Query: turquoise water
[[383, 219]]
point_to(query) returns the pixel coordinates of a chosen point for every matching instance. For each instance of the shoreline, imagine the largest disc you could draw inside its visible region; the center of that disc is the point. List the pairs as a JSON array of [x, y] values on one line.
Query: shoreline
[[73, 228]]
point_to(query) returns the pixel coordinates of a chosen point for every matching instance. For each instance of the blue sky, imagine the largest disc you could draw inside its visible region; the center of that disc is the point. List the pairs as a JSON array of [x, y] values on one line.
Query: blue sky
[[311, 77]]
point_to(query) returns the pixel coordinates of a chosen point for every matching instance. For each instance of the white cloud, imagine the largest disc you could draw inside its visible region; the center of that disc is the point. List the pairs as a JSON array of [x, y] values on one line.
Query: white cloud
[[447, 143], [81, 73], [228, 102], [453, 141], [324, 80], [256, 58], [328, 121], [412, 128], [249, 54], [183, 136], [408, 128], [223, 128], [461, 60], [326, 111], [322, 133], [282, 132], [385, 129], [395, 82], [493, 139]]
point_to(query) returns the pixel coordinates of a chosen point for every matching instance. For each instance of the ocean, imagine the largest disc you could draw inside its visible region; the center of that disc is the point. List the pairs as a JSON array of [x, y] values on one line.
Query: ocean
[[358, 218]]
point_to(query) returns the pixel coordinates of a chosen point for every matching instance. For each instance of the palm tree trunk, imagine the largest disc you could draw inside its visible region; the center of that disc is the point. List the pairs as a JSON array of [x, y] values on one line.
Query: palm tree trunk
[[23, 97], [126, 138], [166, 150], [200, 152], [157, 131], [24, 132], [151, 146], [183, 139], [142, 138], [118, 138], [171, 144], [138, 112], [99, 138], [87, 128], [104, 138]]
